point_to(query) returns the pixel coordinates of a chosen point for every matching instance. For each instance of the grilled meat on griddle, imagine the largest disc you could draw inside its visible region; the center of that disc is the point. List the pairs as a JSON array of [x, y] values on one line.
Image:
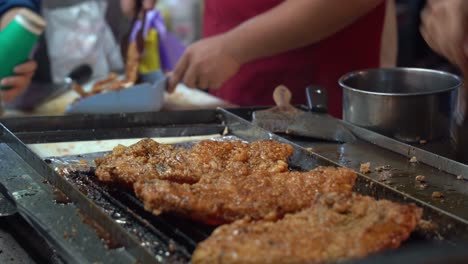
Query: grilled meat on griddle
[[146, 158], [338, 227], [151, 160], [239, 158], [225, 197]]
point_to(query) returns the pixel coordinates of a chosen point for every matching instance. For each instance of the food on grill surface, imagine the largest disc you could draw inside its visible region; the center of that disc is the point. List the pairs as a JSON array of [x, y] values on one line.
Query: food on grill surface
[[219, 182], [276, 215], [339, 227], [413, 159], [147, 158], [365, 168], [239, 158], [225, 197], [437, 195], [151, 160], [382, 168], [420, 178], [113, 82]]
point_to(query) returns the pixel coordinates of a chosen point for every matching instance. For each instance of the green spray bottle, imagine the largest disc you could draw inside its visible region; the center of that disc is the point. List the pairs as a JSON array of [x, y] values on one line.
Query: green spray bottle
[[17, 41]]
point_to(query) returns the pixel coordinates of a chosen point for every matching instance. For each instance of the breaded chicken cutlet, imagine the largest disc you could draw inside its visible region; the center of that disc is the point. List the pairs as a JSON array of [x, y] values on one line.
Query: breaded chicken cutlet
[[338, 227], [151, 160], [260, 195]]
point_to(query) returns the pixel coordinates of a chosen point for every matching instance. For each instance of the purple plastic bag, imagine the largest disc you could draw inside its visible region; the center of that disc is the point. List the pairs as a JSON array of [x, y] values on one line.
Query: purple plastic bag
[[170, 48]]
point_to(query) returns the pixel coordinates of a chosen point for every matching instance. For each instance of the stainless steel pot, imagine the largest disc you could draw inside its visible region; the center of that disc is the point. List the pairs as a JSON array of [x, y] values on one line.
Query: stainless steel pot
[[408, 104]]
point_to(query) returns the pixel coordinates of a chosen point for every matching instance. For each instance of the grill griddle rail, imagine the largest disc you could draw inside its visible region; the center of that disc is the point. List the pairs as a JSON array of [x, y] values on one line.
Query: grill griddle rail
[[451, 227], [123, 206], [71, 249]]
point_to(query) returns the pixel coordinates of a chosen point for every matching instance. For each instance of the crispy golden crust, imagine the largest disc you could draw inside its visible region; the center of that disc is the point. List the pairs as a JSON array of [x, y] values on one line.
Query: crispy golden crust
[[337, 228], [149, 159], [238, 158], [226, 197]]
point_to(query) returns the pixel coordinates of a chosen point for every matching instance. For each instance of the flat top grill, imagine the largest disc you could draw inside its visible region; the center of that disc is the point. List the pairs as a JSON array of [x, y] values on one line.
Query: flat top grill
[[130, 233]]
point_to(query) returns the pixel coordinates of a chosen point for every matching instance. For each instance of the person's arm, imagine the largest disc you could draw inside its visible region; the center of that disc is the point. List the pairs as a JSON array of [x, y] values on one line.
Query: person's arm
[[292, 24], [24, 72]]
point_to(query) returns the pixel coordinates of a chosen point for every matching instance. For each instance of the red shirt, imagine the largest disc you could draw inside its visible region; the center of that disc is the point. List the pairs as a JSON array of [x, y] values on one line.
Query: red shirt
[[353, 48]]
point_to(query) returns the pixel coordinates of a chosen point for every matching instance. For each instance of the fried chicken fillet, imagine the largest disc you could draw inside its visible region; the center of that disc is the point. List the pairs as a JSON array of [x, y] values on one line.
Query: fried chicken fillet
[[151, 160], [338, 227], [146, 158], [260, 195]]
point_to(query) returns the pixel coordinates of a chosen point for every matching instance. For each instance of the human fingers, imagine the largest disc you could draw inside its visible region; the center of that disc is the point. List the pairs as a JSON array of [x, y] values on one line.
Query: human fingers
[[15, 81], [16, 86], [26, 68], [428, 28], [178, 73], [203, 82], [11, 94], [191, 75]]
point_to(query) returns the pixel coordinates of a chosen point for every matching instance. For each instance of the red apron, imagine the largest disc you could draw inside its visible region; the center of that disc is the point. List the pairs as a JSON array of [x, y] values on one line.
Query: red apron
[[353, 48]]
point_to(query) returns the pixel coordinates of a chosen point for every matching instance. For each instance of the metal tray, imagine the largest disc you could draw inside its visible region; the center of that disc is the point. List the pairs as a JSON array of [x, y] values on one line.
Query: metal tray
[[171, 237]]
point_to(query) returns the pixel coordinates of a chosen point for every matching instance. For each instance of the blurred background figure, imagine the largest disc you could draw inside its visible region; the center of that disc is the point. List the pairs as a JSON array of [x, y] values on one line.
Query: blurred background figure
[[77, 34], [401, 45], [184, 19], [250, 48], [89, 33]]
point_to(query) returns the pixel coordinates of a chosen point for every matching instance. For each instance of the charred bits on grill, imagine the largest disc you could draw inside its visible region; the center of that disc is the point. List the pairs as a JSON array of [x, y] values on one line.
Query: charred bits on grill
[[420, 178], [365, 168]]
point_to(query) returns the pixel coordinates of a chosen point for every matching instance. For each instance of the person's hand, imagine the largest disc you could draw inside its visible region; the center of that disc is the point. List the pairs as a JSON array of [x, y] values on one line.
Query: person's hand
[[206, 64], [19, 82], [128, 6], [445, 27], [23, 72]]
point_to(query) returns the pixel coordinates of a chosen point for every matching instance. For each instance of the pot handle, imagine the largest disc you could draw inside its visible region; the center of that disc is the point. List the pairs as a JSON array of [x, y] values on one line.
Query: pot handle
[[317, 99]]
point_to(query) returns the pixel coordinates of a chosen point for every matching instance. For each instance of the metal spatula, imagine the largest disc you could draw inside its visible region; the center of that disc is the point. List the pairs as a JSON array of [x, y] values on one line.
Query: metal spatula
[[284, 118], [319, 120], [278, 118], [320, 126]]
